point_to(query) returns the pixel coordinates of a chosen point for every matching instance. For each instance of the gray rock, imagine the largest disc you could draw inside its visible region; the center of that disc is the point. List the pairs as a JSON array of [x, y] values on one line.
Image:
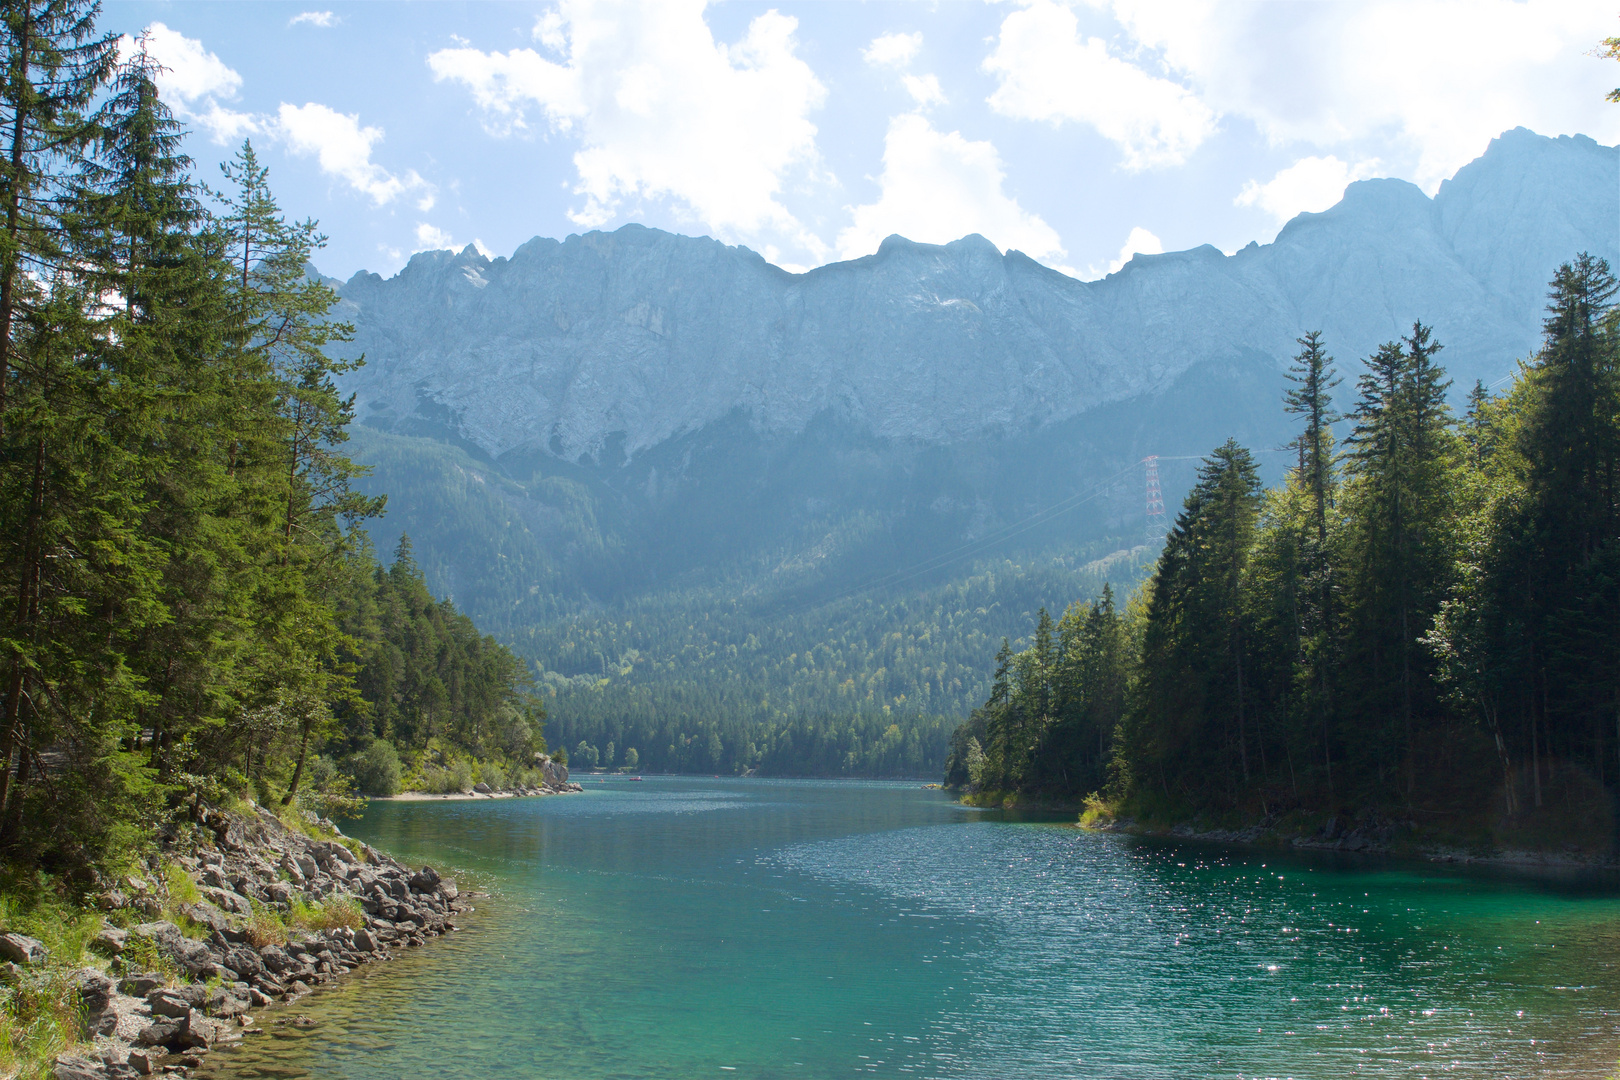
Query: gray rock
[[646, 335], [447, 889], [425, 880], [22, 949], [193, 956], [364, 941], [483, 788], [244, 961], [140, 985], [274, 958], [110, 940], [78, 1068], [95, 989], [143, 1061], [168, 1003], [225, 1003], [164, 933], [166, 1032]]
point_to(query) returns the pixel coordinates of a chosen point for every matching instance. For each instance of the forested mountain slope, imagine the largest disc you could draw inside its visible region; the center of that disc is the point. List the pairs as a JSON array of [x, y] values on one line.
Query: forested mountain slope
[[597, 432]]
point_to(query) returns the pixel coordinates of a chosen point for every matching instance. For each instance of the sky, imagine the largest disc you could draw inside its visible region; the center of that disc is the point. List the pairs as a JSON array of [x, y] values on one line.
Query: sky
[[1077, 133]]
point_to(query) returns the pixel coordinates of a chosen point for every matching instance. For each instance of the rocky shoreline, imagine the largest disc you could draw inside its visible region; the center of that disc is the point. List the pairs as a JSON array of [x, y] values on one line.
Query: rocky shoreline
[[266, 914]]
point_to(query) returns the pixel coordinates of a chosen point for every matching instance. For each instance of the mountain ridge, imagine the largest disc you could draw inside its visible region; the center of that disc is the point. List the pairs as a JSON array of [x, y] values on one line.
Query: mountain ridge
[[648, 335]]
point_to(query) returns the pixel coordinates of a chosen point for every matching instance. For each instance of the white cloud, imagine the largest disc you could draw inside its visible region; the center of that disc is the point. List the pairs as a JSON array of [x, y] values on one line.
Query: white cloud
[[1442, 76], [1140, 242], [1309, 185], [432, 238], [193, 82], [1048, 71], [661, 110], [893, 50], [937, 187], [343, 149], [924, 89], [323, 19], [196, 80]]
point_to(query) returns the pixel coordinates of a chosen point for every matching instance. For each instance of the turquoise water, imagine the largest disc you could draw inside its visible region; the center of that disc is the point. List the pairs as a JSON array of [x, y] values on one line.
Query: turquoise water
[[715, 928]]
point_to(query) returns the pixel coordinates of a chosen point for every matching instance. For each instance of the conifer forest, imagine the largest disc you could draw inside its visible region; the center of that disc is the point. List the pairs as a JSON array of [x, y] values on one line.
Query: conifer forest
[[1425, 617], [191, 611]]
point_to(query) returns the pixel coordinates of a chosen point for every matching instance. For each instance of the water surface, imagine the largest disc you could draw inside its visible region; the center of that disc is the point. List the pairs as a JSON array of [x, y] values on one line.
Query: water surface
[[697, 928]]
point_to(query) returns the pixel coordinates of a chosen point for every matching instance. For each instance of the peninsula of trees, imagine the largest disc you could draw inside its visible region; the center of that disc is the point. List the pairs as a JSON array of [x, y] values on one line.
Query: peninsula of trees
[[1423, 621]]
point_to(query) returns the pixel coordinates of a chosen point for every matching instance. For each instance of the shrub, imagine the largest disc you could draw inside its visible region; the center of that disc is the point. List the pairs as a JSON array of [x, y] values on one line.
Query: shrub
[[331, 914], [376, 769], [265, 928], [491, 773], [326, 790]]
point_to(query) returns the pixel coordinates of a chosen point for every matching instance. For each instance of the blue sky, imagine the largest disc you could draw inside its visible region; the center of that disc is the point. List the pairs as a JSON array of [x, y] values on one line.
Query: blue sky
[[1075, 132]]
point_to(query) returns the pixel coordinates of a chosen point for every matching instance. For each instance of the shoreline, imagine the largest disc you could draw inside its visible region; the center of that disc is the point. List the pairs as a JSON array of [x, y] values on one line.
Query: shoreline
[[1367, 834], [249, 914], [1367, 842]]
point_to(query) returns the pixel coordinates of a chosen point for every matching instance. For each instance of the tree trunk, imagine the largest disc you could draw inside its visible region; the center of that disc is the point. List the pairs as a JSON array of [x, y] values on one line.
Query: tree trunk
[[8, 273], [298, 770]]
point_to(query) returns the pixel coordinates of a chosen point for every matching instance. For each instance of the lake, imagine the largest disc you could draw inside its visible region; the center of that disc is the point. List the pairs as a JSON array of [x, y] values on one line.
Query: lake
[[687, 927]]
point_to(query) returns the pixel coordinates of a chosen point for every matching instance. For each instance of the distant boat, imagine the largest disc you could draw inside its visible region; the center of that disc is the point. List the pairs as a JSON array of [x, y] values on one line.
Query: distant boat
[[634, 779]]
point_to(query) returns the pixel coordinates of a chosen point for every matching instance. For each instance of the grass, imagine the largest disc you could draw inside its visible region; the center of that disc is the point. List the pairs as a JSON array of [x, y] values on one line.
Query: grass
[[40, 1014], [332, 914], [182, 890], [266, 927]]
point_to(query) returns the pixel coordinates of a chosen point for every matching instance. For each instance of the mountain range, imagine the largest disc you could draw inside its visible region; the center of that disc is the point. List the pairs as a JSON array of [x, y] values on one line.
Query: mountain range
[[614, 420]]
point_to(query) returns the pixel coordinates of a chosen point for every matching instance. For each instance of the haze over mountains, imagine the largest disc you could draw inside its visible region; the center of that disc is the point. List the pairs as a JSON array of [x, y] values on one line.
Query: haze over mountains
[[604, 423]]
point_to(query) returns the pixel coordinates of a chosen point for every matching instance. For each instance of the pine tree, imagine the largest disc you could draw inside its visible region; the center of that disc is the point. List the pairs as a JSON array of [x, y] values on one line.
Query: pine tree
[[56, 64]]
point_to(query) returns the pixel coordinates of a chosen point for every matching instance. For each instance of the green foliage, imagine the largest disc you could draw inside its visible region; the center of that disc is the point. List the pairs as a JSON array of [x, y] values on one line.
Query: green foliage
[[1428, 625], [376, 769], [335, 913]]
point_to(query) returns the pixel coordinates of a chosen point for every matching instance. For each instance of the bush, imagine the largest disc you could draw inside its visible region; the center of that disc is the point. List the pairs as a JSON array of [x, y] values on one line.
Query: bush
[[326, 791], [491, 773], [339, 911], [376, 769], [265, 928]]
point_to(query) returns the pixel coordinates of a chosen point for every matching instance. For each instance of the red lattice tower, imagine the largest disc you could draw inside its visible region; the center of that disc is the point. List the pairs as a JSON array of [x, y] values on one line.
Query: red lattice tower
[[1156, 529]]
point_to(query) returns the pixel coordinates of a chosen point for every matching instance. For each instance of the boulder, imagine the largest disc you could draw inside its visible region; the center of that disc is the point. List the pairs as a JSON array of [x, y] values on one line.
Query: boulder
[[165, 934], [274, 958], [168, 1003], [192, 955], [363, 940], [483, 788], [95, 989], [77, 1068], [166, 1032], [244, 961], [22, 949], [426, 880], [141, 984], [228, 900], [447, 889], [144, 1061], [226, 1003], [110, 940]]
